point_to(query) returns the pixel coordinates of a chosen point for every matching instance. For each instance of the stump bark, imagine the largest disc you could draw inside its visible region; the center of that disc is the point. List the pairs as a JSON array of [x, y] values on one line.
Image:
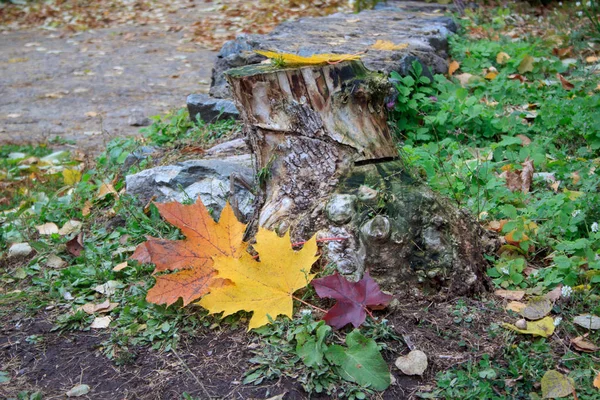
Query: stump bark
[[326, 163]]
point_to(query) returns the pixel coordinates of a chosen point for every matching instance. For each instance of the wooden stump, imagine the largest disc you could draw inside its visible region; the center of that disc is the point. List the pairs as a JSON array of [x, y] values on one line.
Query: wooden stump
[[325, 164], [306, 126]]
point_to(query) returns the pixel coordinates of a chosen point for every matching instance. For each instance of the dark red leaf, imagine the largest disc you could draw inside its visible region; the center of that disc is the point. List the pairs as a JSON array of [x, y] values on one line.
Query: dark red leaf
[[353, 298], [75, 245]]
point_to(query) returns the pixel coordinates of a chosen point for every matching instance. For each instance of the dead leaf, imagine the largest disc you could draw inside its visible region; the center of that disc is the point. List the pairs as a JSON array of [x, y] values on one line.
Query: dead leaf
[[109, 288], [515, 306], [510, 294], [101, 322], [575, 178], [543, 327], [518, 77], [565, 83], [491, 75], [591, 59], [525, 141], [526, 65], [587, 321], [502, 58], [537, 308], [520, 181], [554, 294], [453, 67], [562, 52], [555, 385], [70, 227], [464, 79], [75, 245], [54, 261], [388, 46], [597, 381], [87, 208], [582, 344], [414, 363], [47, 229], [120, 266], [78, 390], [106, 189]]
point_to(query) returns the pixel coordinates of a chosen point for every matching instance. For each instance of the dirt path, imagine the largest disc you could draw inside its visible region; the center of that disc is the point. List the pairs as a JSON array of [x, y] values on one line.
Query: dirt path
[[84, 87]]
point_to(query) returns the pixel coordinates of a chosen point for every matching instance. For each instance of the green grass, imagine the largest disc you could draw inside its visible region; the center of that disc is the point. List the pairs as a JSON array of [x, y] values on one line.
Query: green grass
[[461, 139]]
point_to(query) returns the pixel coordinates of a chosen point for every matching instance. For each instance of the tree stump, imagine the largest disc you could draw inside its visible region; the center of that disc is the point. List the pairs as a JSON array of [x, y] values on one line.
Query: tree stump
[[325, 163]]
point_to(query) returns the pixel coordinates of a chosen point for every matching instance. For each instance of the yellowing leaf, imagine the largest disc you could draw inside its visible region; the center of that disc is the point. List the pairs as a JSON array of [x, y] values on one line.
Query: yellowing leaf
[[572, 194], [591, 59], [387, 45], [120, 266], [526, 64], [597, 381], [71, 176], [87, 208], [266, 286], [315, 59], [555, 385], [491, 75], [192, 256], [453, 67], [543, 327], [106, 189], [515, 306], [502, 57]]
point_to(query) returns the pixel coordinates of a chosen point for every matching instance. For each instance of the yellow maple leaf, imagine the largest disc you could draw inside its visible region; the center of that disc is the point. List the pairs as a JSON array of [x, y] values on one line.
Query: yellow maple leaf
[[315, 59], [388, 46], [266, 286], [71, 176]]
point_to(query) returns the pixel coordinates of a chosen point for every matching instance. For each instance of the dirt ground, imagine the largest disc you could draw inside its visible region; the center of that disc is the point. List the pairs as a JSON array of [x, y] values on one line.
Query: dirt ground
[[212, 362], [85, 86]]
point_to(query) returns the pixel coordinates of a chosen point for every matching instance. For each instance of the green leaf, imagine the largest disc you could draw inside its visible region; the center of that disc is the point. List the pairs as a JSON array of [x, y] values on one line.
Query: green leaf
[[360, 362], [311, 350], [526, 64]]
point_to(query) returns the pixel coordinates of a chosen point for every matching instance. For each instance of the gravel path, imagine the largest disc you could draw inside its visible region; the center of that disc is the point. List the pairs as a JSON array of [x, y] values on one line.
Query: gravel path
[[88, 87]]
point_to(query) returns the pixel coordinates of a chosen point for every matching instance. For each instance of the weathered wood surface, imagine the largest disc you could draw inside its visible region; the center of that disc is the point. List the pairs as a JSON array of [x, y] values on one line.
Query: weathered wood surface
[[306, 126]]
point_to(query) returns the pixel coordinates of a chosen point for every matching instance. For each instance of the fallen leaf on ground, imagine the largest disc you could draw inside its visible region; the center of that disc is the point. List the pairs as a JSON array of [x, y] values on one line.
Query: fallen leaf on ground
[[192, 256], [554, 294], [526, 65], [47, 229], [587, 321], [562, 52], [502, 58], [453, 67], [537, 308], [583, 344], [387, 45], [565, 83], [525, 141], [91, 114], [105, 306], [78, 390], [360, 362], [353, 298], [464, 79], [510, 294], [543, 327], [109, 288], [265, 287], [520, 181], [120, 266], [315, 59], [597, 381], [515, 306], [54, 261], [71, 176], [87, 208], [101, 322], [414, 363], [491, 76], [555, 385], [106, 189], [591, 59], [75, 245], [70, 227]]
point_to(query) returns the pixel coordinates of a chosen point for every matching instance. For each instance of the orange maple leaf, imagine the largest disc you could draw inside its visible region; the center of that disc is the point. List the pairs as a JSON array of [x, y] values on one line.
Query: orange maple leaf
[[192, 257]]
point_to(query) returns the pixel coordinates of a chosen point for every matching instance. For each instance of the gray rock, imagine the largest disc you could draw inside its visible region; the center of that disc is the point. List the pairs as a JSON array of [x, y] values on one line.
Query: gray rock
[[188, 180], [19, 250], [414, 23], [226, 149], [138, 155], [211, 109], [138, 118], [341, 208]]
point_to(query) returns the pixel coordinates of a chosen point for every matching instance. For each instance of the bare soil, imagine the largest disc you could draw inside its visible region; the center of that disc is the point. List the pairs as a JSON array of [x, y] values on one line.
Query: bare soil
[[213, 362]]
